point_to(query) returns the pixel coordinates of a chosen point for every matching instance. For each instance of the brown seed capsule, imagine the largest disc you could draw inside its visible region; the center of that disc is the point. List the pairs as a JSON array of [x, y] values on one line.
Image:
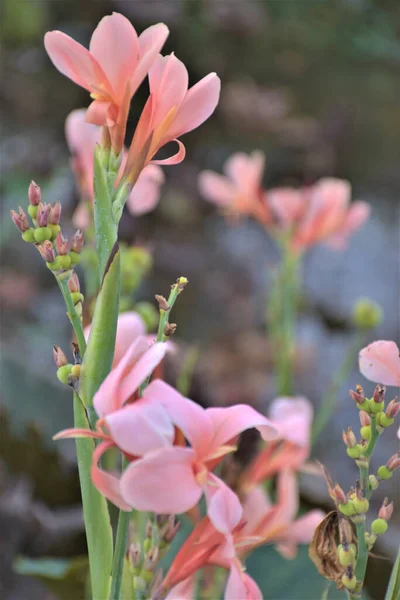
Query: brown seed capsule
[[162, 303]]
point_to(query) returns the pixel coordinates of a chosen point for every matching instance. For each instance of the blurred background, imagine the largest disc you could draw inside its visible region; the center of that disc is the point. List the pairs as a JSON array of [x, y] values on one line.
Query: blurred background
[[315, 85]]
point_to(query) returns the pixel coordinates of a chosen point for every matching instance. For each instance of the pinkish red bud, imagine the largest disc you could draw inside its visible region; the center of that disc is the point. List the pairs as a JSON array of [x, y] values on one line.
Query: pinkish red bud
[[20, 220], [47, 251], [135, 555], [34, 194], [73, 283], [77, 241], [338, 494], [365, 419], [358, 395], [349, 438], [55, 214], [386, 510], [62, 244], [59, 357], [393, 408], [394, 462], [42, 216], [379, 393]]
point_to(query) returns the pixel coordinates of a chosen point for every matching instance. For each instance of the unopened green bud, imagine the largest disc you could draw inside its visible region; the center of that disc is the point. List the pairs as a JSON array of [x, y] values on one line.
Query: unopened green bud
[[29, 234], [346, 557], [366, 313], [365, 432], [75, 258], [373, 482], [379, 526], [347, 509], [32, 210], [376, 407], [361, 505], [76, 371], [64, 262], [64, 372], [354, 452], [55, 229], [384, 472], [77, 297], [383, 420], [43, 233], [55, 265], [349, 582], [364, 405]]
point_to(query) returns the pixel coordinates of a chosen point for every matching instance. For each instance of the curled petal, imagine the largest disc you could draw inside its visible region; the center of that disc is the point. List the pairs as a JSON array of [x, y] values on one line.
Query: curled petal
[[175, 159], [380, 362], [162, 482], [77, 433], [107, 484]]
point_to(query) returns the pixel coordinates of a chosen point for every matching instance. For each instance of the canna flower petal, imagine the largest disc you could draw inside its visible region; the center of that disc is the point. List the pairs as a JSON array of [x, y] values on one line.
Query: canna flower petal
[[162, 482], [184, 590], [197, 106], [287, 204], [216, 188], [241, 586], [357, 215], [246, 171], [168, 79], [145, 194], [175, 159], [107, 484], [229, 422], [115, 46], [151, 40], [293, 418], [223, 506], [380, 362]]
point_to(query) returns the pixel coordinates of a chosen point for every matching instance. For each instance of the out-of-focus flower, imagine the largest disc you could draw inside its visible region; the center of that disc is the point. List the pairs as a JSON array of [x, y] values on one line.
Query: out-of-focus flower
[[239, 192], [171, 111], [293, 419], [81, 139], [111, 70], [150, 483], [380, 362]]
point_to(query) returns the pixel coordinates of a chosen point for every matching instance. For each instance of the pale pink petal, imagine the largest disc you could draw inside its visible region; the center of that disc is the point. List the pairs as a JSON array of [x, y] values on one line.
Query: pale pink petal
[[255, 507], [197, 106], [98, 113], [191, 418], [76, 433], [287, 205], [143, 368], [216, 188], [184, 590], [380, 362], [81, 136], [162, 482], [115, 46], [223, 505], [168, 79], [235, 587], [73, 60], [246, 170], [151, 40], [288, 496], [81, 217], [230, 422], [175, 159], [107, 484], [356, 217], [293, 419], [302, 530], [140, 427], [145, 194], [253, 592], [129, 327]]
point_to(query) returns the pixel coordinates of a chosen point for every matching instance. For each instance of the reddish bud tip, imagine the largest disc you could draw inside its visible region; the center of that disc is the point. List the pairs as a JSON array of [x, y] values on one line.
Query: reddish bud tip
[[55, 214], [338, 494], [42, 217], [386, 510], [20, 220], [73, 283], [394, 462], [393, 408], [379, 393], [47, 251], [34, 194], [77, 242], [62, 244], [59, 357], [358, 395], [365, 419]]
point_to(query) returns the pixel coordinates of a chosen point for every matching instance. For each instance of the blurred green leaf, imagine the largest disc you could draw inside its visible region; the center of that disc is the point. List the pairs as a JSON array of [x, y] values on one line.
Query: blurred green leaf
[[64, 577], [393, 591]]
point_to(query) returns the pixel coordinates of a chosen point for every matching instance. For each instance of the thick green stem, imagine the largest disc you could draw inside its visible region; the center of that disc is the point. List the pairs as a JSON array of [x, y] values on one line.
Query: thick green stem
[[76, 322], [119, 554]]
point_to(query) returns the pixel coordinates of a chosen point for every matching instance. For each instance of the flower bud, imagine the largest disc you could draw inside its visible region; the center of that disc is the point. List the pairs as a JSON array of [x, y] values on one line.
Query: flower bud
[[73, 283], [365, 419], [379, 527], [366, 432], [377, 404], [55, 214], [151, 559], [42, 216], [366, 313], [349, 438], [349, 581], [29, 235], [20, 220], [63, 373], [347, 509], [62, 244], [394, 462], [59, 357], [386, 510], [346, 555], [34, 194], [41, 234], [77, 241], [373, 482], [393, 408], [384, 473], [47, 251], [135, 555], [359, 398], [338, 494]]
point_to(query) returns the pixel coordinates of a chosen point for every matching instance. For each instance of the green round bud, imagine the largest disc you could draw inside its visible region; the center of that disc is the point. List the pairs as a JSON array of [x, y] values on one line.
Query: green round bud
[[76, 371], [77, 297], [360, 505], [55, 229], [365, 432], [376, 407], [63, 373], [364, 405], [373, 482], [149, 314], [42, 234], [346, 558], [32, 210], [354, 452], [366, 314], [64, 262], [379, 526], [384, 420], [55, 265], [348, 583], [75, 258], [384, 473], [29, 235], [347, 509]]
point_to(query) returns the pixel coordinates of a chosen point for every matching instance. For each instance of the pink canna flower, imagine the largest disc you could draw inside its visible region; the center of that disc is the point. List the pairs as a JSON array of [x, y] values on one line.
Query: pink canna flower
[[380, 362], [82, 138], [149, 484], [171, 111], [239, 192], [293, 419], [111, 70]]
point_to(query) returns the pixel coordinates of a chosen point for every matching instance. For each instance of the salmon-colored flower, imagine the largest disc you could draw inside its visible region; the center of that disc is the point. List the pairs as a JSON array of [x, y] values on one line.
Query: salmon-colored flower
[[380, 362], [171, 111], [150, 484], [293, 419], [82, 138], [111, 70], [239, 192]]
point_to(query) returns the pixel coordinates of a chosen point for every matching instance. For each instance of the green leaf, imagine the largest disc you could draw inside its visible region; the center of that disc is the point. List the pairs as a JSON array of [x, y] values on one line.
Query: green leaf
[[393, 591], [65, 577], [100, 349], [95, 512]]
